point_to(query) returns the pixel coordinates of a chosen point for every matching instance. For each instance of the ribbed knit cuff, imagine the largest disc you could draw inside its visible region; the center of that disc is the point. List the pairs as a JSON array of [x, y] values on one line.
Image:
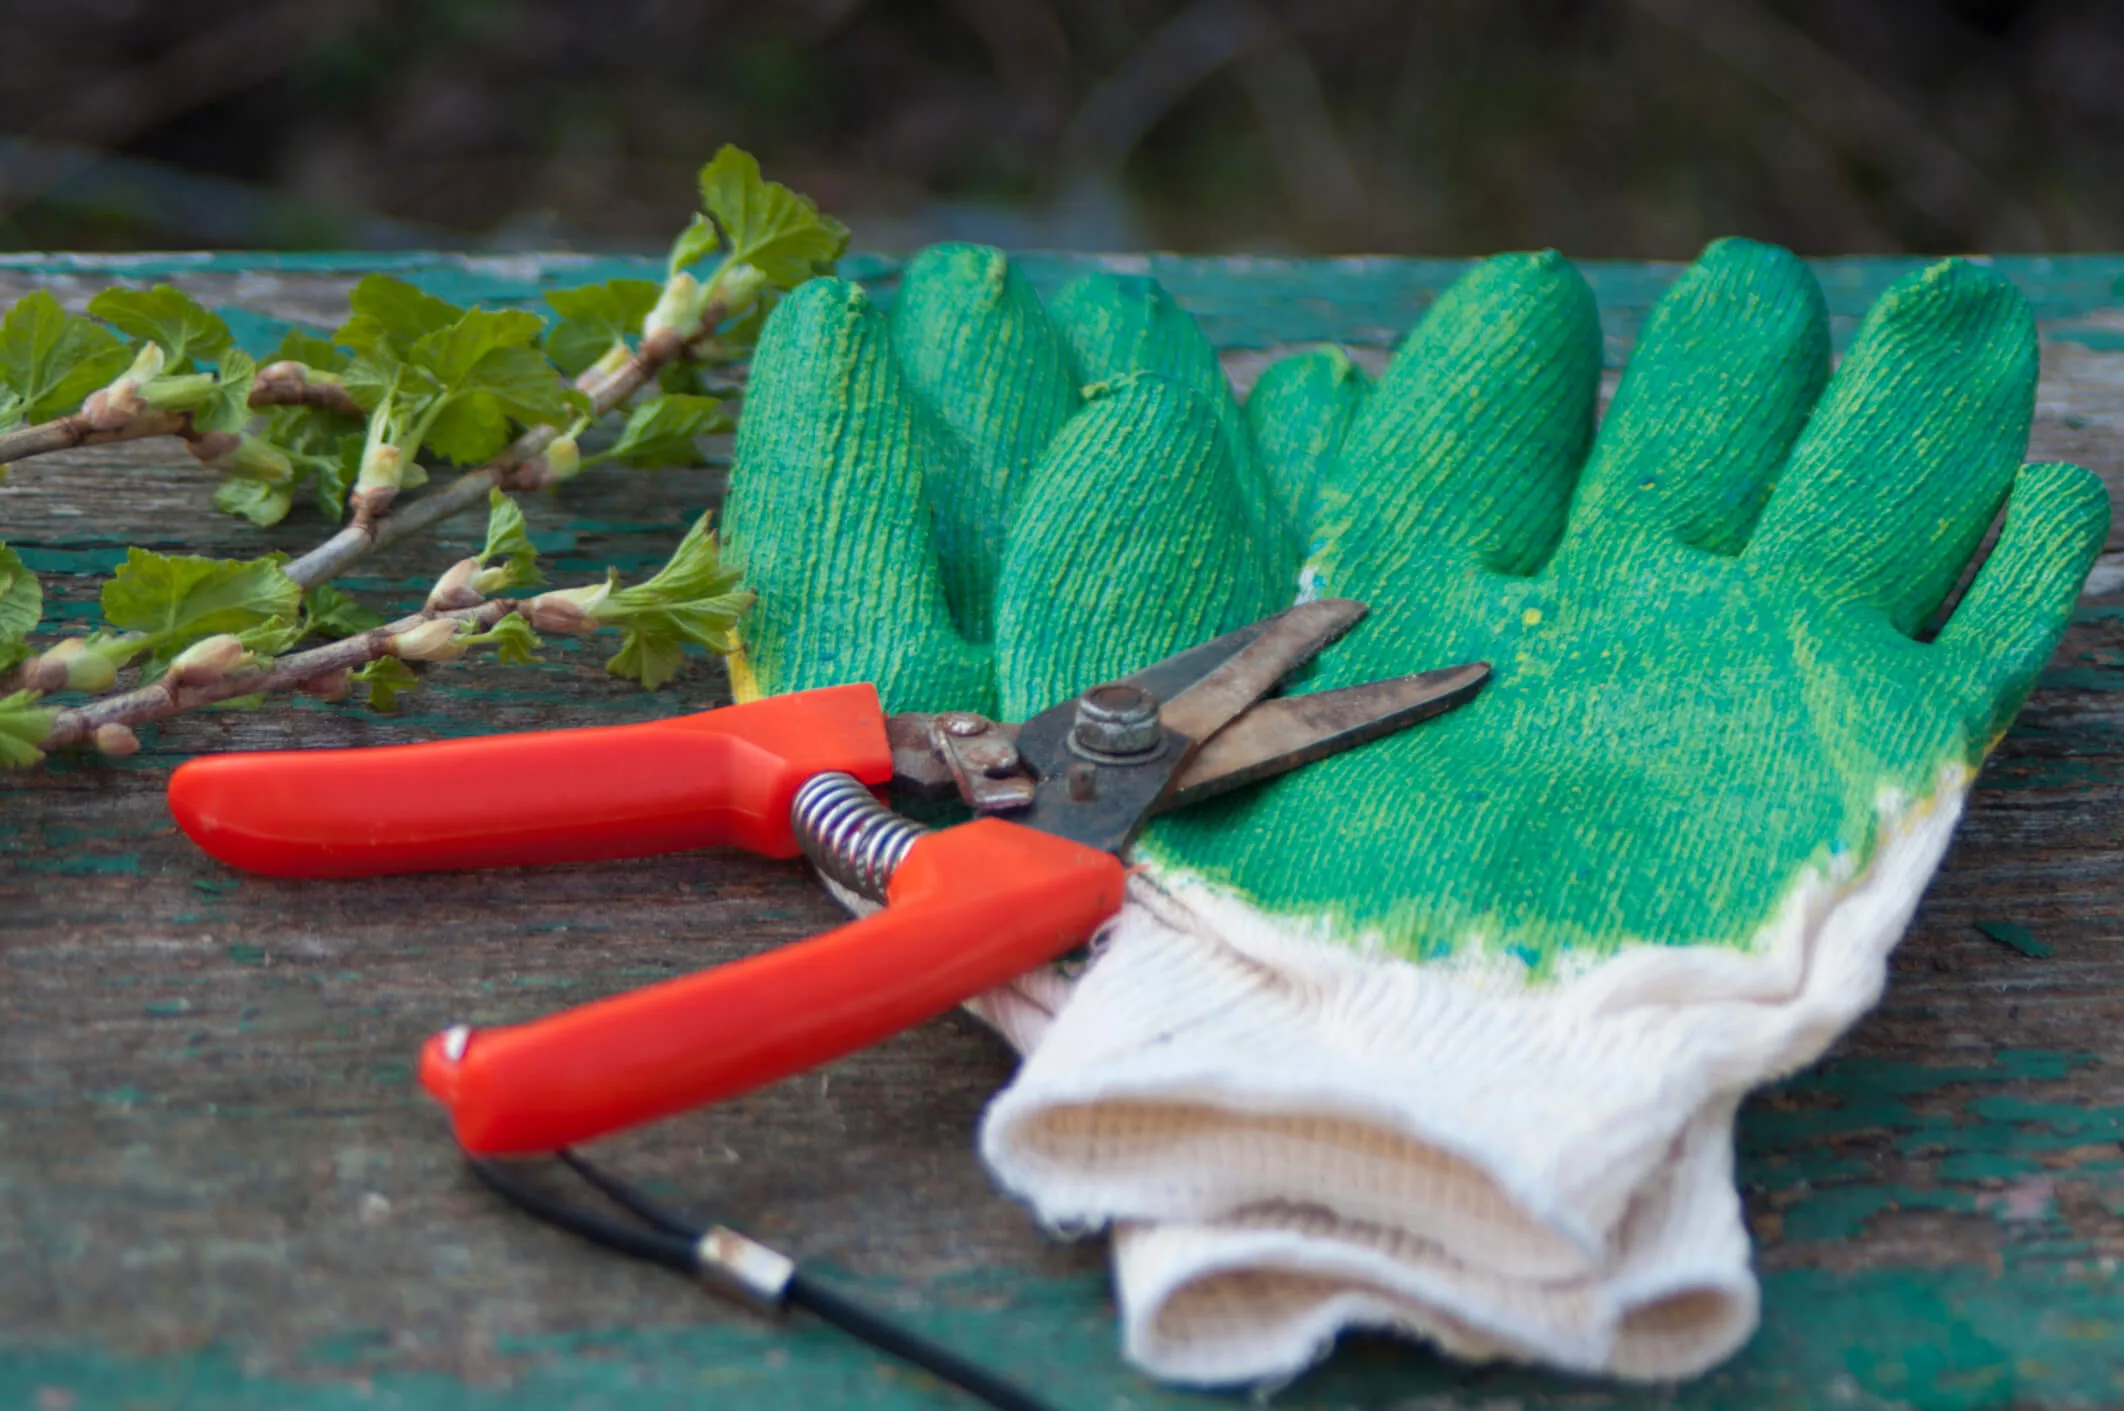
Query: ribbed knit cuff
[[1215, 1063]]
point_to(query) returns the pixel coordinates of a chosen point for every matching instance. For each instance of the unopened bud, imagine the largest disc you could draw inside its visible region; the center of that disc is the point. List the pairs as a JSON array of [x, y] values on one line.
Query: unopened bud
[[676, 317], [329, 686], [72, 666], [210, 447], [455, 588], [286, 370], [570, 611], [564, 460], [433, 640], [116, 740], [382, 465], [738, 287], [207, 660], [561, 460], [114, 407]]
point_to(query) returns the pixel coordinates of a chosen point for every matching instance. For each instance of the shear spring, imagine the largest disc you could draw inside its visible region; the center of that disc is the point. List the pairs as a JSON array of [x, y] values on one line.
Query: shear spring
[[849, 835]]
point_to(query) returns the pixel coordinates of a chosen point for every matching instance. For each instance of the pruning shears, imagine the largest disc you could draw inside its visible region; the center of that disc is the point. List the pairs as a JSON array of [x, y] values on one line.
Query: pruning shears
[[965, 908]]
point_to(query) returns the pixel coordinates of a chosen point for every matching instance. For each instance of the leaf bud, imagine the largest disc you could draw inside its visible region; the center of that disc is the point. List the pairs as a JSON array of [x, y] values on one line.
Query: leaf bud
[[382, 465], [116, 740], [114, 407], [676, 317], [433, 640], [120, 402], [571, 611], [738, 287], [209, 448], [72, 666], [455, 588], [207, 660]]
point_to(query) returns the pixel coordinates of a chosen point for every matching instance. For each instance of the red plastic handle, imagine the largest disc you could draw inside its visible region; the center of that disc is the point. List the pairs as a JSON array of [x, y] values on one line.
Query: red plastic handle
[[970, 908], [719, 778]]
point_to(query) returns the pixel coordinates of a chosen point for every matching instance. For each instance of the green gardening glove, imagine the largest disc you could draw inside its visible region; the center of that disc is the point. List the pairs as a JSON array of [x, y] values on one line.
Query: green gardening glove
[[1447, 1034]]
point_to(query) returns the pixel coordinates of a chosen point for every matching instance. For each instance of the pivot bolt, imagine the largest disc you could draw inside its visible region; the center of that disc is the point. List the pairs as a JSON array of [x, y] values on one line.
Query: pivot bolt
[[1116, 721]]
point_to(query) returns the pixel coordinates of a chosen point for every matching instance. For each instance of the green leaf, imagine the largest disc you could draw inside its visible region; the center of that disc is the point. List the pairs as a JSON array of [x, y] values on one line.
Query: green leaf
[[699, 239], [23, 729], [527, 386], [387, 679], [647, 655], [320, 448], [693, 598], [369, 377], [594, 317], [270, 639], [471, 429], [255, 500], [21, 597], [229, 409], [515, 644], [661, 432], [766, 225], [692, 573], [327, 612], [390, 313], [312, 350], [176, 600], [508, 539], [452, 353], [21, 608], [51, 359], [336, 476], [184, 327]]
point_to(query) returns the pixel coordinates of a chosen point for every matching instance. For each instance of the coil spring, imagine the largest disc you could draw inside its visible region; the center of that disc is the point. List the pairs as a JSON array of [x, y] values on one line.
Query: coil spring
[[849, 835]]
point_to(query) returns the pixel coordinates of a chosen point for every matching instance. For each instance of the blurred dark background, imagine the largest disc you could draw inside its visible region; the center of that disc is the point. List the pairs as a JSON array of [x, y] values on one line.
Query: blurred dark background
[[1604, 127]]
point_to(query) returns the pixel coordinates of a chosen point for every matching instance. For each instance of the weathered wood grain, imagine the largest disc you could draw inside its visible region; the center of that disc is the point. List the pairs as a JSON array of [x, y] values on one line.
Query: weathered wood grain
[[218, 1186]]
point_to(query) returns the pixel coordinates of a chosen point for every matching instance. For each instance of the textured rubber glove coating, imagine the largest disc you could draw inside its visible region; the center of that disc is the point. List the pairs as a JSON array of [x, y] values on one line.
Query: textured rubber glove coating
[[977, 470], [1709, 686]]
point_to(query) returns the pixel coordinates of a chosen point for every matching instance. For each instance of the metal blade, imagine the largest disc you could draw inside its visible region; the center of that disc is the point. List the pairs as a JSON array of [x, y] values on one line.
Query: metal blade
[[1286, 642], [1282, 734]]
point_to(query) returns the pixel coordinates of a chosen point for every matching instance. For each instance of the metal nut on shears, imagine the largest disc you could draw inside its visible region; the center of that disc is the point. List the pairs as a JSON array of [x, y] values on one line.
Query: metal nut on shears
[[1116, 723]]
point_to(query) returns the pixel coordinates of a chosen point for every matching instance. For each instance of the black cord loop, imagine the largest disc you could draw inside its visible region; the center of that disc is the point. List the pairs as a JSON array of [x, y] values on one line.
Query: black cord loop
[[666, 1238]]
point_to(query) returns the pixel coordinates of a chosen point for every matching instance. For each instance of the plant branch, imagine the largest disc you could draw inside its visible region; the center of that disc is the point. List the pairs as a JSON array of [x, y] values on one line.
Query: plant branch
[[162, 699], [67, 432], [606, 391]]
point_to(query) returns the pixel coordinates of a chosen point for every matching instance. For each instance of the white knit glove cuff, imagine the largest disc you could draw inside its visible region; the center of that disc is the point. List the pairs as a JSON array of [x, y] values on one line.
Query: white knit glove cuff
[[1318, 1139]]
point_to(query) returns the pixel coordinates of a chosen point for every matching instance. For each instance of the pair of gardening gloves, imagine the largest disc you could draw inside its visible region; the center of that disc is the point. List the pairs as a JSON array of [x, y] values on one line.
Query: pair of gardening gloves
[[1443, 1035]]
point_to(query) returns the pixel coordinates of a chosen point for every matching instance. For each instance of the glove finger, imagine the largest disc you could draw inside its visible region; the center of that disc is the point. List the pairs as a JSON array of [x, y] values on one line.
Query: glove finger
[[827, 521], [1297, 415], [1730, 363], [980, 360], [1472, 441], [1130, 544], [1912, 448], [1118, 324], [2010, 620]]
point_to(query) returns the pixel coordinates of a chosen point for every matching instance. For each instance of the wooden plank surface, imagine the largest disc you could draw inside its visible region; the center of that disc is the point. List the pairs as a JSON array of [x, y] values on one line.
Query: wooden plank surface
[[219, 1188]]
